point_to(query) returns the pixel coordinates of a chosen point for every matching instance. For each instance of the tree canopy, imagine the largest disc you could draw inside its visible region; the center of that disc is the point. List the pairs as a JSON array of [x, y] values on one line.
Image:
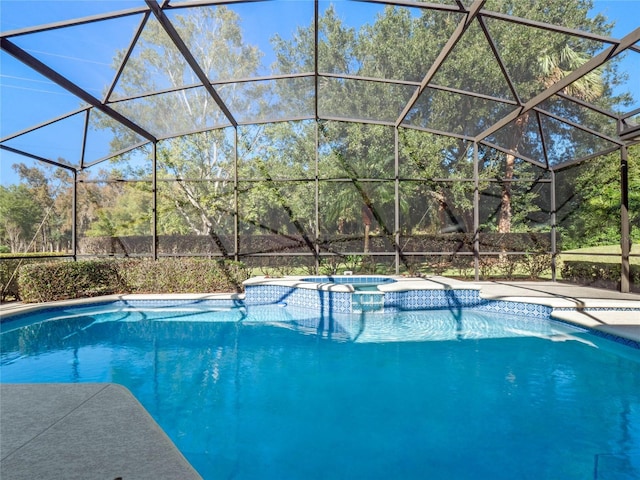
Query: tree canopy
[[360, 134]]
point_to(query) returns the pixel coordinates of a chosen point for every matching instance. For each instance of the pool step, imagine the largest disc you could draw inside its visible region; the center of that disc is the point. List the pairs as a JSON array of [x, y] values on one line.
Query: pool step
[[367, 302]]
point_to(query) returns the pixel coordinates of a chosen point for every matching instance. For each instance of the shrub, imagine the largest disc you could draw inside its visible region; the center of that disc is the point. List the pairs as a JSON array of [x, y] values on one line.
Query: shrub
[[605, 275], [8, 281], [536, 264], [64, 280], [9, 268], [44, 282], [183, 275]]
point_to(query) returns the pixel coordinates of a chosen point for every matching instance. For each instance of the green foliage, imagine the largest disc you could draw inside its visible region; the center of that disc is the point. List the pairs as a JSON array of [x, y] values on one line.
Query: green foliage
[[9, 269], [589, 203], [35, 215], [125, 210], [45, 282], [20, 214], [275, 165], [183, 275], [598, 274]]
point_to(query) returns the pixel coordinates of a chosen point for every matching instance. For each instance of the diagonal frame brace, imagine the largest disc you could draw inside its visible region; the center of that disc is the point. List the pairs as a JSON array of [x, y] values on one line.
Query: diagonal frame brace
[[71, 87], [457, 34], [600, 59]]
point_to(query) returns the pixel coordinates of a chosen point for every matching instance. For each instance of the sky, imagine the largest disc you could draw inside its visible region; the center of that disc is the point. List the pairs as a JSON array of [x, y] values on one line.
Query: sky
[[47, 101]]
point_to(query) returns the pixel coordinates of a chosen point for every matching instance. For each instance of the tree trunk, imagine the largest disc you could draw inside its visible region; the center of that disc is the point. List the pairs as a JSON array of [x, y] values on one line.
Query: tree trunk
[[367, 227], [504, 218]]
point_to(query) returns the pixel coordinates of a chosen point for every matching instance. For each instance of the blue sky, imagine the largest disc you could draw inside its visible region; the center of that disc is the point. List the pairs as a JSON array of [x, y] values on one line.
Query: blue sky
[[48, 101]]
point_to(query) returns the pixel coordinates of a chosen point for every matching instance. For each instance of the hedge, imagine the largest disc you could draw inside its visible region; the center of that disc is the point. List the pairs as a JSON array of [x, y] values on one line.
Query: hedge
[[604, 275], [44, 282], [9, 268]]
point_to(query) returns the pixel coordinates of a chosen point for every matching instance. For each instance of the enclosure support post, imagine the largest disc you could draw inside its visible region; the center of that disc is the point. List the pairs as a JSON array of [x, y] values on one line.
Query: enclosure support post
[[554, 230], [476, 213], [396, 228], [236, 213], [154, 189], [625, 237], [316, 23], [317, 202], [74, 217]]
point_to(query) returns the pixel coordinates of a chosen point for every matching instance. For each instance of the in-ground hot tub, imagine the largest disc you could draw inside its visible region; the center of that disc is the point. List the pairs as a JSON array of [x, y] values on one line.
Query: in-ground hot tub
[[360, 293], [360, 283], [366, 296]]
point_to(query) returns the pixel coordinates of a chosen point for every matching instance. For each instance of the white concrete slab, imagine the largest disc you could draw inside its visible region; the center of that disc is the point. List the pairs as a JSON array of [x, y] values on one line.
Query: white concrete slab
[[81, 431]]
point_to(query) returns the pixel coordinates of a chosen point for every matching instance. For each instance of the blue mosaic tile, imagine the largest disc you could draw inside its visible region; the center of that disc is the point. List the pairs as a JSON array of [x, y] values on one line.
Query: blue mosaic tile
[[598, 309], [517, 308], [431, 299], [350, 280], [624, 341]]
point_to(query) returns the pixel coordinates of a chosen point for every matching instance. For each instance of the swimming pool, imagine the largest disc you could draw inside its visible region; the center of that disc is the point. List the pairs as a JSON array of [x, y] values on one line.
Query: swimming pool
[[281, 392]]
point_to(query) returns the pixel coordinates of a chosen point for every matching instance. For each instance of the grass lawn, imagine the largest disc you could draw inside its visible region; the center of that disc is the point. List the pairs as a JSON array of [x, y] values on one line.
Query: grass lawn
[[587, 254]]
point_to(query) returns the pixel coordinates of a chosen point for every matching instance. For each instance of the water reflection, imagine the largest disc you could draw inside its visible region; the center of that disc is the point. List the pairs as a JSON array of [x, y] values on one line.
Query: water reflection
[[242, 391]]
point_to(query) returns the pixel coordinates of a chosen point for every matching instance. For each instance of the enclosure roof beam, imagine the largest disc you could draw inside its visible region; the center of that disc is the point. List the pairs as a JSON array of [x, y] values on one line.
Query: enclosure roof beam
[[74, 22], [442, 56], [417, 4], [43, 124], [630, 114], [37, 157], [498, 57], [114, 154], [588, 105], [168, 4], [188, 56], [434, 131], [560, 85], [578, 126], [543, 142], [571, 163], [549, 27], [71, 87], [515, 154], [127, 55]]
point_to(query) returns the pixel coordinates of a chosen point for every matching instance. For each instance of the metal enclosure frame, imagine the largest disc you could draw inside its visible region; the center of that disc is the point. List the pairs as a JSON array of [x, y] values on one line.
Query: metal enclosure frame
[[475, 12]]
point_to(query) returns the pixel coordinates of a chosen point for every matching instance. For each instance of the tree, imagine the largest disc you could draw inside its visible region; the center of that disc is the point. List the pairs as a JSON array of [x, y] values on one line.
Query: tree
[[356, 162], [201, 164], [20, 214], [546, 58], [36, 213], [589, 205]]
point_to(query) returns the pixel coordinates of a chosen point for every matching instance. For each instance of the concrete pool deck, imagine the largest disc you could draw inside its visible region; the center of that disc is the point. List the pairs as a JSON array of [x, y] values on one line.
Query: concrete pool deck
[[81, 431], [607, 311]]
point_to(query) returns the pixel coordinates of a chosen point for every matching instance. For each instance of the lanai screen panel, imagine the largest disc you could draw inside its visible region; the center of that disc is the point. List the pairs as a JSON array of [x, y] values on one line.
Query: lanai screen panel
[[28, 99], [428, 156], [579, 188], [281, 118], [60, 141], [236, 41], [86, 54]]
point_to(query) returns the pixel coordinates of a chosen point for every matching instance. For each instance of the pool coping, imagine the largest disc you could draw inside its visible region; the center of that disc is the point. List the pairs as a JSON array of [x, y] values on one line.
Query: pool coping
[[400, 284]]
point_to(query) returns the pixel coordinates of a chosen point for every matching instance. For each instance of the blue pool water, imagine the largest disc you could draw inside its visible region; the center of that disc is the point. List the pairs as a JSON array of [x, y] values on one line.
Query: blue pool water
[[277, 393], [360, 283]]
